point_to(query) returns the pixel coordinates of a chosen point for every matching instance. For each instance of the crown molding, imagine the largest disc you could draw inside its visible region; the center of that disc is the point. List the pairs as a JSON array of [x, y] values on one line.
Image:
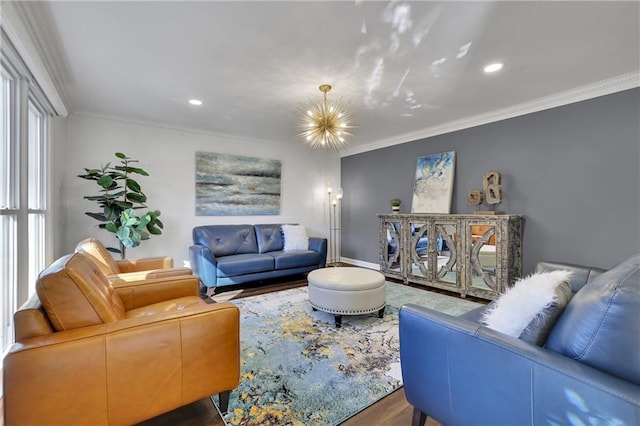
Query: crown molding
[[582, 93], [16, 21], [228, 137]]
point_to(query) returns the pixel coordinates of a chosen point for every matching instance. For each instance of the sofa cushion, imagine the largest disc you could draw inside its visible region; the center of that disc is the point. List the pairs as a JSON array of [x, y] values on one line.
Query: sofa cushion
[[580, 275], [269, 238], [243, 264], [525, 302], [226, 240], [171, 305], [297, 259], [75, 293], [600, 325]]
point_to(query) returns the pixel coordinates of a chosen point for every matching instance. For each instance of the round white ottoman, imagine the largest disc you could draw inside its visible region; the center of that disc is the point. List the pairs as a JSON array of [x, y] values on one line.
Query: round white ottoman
[[347, 291]]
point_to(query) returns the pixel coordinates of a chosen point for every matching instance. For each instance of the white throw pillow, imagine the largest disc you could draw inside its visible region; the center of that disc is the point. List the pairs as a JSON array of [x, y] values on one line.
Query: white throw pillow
[[520, 304], [295, 237]]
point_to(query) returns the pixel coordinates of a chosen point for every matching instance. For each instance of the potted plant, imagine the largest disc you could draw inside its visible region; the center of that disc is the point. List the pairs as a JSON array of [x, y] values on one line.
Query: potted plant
[[119, 197], [395, 205]]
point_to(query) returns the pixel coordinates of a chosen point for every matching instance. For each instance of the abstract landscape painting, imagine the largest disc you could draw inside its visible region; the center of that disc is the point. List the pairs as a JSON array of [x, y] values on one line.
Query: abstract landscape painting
[[434, 183], [235, 185]]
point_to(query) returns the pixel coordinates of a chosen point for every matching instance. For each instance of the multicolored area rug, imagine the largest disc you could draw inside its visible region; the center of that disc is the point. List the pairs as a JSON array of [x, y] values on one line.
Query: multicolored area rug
[[297, 368]]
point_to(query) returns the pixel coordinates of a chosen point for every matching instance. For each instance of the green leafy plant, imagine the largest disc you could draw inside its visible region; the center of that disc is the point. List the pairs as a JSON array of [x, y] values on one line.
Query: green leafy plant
[[119, 197], [396, 202]]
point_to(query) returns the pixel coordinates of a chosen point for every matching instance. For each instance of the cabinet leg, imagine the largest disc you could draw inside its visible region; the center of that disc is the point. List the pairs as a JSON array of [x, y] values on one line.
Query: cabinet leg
[[381, 313], [338, 319]]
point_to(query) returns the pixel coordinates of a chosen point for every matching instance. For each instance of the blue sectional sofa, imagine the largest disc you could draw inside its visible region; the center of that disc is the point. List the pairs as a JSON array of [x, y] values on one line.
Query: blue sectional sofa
[[232, 254], [588, 372]]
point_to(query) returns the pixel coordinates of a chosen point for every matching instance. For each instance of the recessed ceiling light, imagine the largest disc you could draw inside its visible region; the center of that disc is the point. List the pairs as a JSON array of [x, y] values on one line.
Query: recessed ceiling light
[[497, 66], [196, 102]]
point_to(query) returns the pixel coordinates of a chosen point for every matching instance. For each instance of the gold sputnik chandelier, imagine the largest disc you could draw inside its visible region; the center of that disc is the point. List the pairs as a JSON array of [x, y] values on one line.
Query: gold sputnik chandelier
[[325, 125]]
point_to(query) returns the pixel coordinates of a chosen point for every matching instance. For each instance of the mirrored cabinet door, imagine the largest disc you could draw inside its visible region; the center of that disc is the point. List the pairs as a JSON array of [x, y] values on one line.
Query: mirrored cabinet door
[[390, 247], [483, 258], [419, 249], [448, 270]]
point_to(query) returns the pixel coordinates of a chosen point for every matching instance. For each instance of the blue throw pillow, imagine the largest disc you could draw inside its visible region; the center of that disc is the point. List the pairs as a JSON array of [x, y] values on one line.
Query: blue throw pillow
[[600, 326]]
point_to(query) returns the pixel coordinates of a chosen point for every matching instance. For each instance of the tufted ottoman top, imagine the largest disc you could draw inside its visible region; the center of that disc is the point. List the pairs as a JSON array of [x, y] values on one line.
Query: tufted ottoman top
[[345, 279]]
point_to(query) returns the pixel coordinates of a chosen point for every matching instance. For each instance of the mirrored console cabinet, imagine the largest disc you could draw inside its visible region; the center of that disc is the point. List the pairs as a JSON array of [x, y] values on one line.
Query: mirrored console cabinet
[[478, 255]]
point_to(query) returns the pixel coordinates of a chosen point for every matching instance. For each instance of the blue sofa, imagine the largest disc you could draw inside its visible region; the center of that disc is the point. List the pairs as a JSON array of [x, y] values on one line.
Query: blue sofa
[[588, 372], [233, 254]]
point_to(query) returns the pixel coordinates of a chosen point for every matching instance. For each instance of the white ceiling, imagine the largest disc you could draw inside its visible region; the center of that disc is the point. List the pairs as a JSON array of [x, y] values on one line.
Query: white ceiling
[[406, 69]]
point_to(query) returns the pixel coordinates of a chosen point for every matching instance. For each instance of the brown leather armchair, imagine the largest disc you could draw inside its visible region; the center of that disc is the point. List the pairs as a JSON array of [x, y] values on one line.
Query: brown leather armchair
[[128, 269], [89, 352]]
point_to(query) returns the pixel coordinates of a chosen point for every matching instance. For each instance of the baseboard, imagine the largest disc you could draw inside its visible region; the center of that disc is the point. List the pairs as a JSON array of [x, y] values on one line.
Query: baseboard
[[360, 263]]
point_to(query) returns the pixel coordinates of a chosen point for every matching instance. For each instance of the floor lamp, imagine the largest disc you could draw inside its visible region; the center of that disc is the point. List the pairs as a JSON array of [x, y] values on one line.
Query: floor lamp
[[334, 225]]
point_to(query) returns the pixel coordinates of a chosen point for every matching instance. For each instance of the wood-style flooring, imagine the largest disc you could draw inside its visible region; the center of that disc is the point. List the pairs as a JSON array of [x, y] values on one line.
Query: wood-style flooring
[[392, 410]]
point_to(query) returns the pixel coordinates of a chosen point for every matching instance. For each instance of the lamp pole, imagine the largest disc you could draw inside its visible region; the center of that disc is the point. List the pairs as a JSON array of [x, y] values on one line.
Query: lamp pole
[[334, 248], [337, 224], [330, 248], [334, 225]]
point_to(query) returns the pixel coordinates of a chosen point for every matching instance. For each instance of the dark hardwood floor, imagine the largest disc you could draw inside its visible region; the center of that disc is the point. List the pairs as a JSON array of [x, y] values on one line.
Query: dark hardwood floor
[[392, 410]]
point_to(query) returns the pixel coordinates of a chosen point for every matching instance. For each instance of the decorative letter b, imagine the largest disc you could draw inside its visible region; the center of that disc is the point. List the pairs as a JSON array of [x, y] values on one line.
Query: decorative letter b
[[492, 188]]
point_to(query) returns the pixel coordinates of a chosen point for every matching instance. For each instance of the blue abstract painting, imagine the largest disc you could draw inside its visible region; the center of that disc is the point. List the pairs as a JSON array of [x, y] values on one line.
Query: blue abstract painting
[[235, 185], [433, 187]]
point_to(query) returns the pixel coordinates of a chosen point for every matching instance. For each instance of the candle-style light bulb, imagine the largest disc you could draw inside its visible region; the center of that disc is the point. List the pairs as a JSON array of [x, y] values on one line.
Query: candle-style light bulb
[[339, 193], [329, 189]]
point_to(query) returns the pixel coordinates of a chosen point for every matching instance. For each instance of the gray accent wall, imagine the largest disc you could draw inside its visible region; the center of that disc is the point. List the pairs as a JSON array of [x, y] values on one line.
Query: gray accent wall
[[572, 171]]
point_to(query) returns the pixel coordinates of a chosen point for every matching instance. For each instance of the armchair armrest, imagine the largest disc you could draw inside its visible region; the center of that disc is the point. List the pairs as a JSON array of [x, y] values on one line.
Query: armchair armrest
[[150, 274], [319, 245], [135, 294], [462, 373], [144, 264], [204, 264], [123, 372]]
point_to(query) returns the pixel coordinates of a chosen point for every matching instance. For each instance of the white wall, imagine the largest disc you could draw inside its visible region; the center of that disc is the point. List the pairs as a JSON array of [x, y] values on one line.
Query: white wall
[[169, 157]]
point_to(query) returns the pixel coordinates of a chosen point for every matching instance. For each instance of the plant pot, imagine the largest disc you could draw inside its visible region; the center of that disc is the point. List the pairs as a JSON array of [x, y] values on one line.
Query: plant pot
[[395, 209]]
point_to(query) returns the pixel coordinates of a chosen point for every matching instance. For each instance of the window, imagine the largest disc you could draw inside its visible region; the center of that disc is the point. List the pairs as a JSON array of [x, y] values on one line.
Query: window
[[8, 220], [23, 174], [36, 194]]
